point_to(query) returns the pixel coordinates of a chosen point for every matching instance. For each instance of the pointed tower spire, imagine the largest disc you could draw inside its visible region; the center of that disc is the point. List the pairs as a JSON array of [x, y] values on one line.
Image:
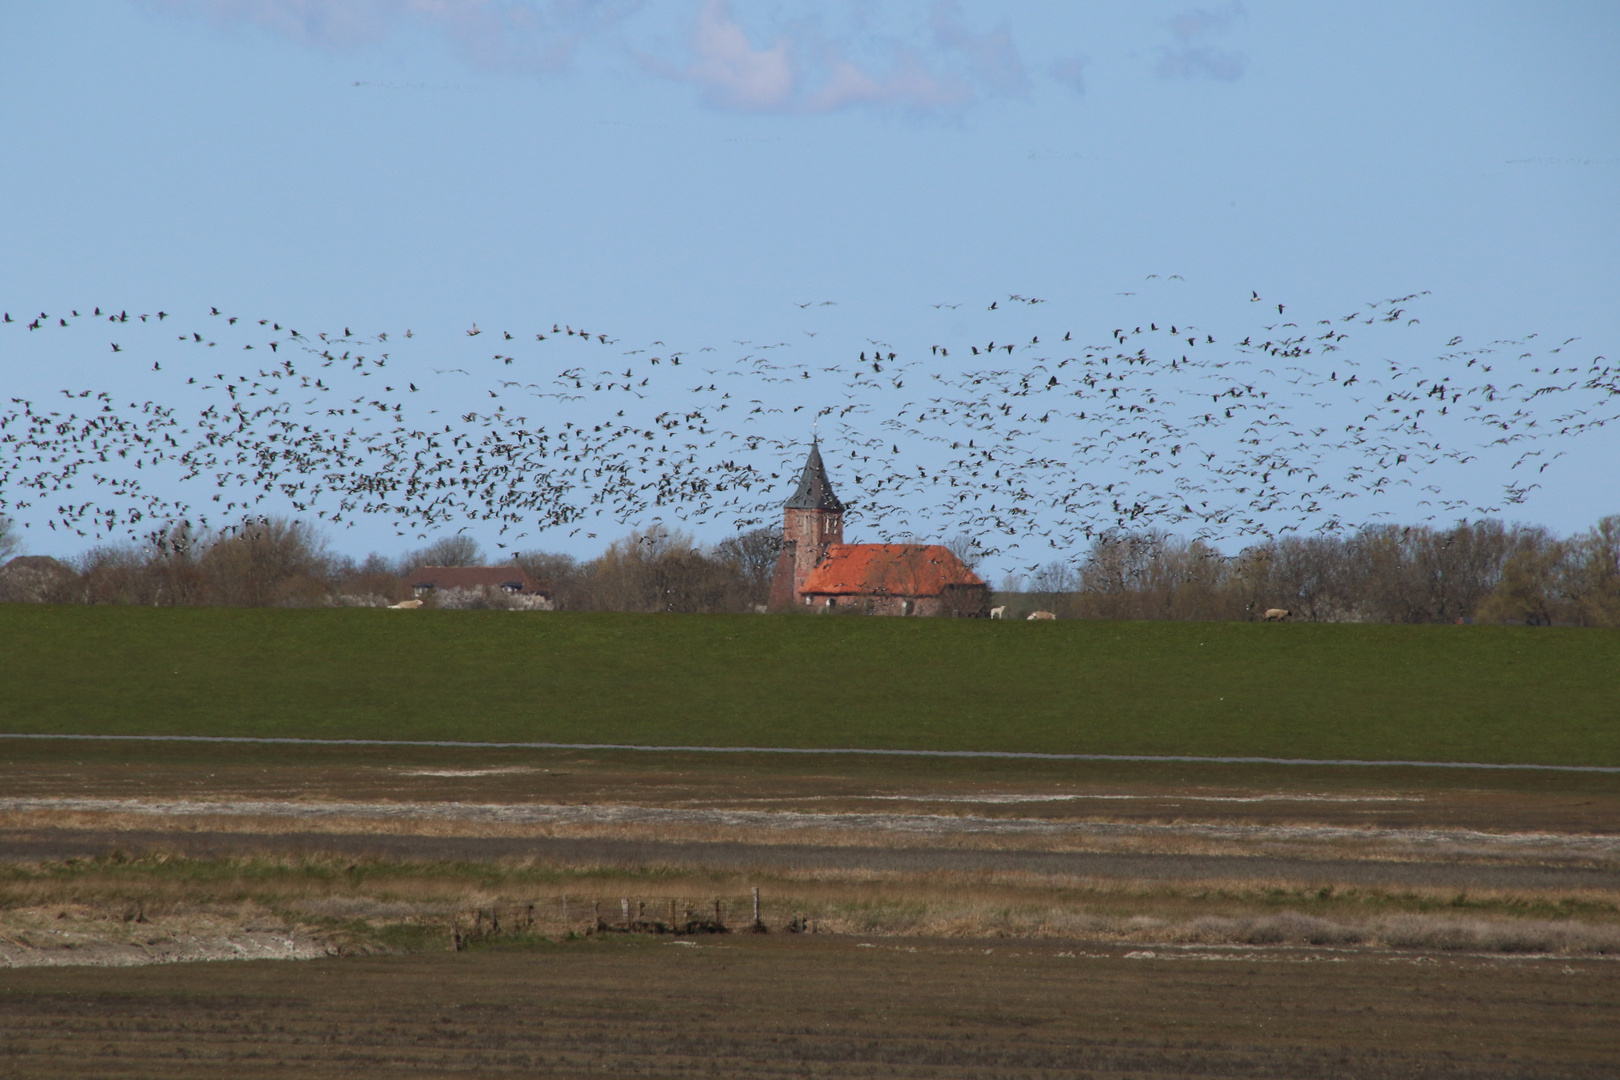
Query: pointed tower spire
[[815, 490], [812, 522]]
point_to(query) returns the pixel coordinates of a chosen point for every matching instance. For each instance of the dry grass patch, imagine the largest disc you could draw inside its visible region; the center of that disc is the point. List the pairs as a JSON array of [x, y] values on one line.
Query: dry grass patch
[[368, 904], [636, 823]]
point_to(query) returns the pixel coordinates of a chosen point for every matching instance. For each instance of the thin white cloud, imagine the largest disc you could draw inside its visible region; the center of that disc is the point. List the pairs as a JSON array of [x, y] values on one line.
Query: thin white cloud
[[801, 70], [941, 66], [1192, 58], [732, 72]]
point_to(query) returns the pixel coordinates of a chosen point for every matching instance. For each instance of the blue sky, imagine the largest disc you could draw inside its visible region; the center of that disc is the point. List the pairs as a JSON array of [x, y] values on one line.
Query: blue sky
[[691, 172]]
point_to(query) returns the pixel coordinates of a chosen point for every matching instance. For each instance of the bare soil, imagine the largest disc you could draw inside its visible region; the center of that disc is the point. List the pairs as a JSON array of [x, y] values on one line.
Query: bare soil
[[822, 1007], [964, 921], [368, 852], [1115, 792]]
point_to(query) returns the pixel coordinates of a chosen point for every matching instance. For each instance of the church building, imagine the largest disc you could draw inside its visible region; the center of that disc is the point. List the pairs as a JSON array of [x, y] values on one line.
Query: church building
[[817, 571]]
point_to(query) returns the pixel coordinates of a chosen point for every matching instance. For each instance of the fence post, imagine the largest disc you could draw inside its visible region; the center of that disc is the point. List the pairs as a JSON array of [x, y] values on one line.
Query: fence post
[[624, 904]]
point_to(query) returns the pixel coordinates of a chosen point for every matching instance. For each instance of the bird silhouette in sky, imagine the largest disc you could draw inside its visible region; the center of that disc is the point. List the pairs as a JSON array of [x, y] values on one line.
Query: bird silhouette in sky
[[1034, 445]]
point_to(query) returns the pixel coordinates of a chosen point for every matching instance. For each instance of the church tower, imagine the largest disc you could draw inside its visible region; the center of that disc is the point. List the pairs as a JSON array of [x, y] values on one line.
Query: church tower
[[812, 520]]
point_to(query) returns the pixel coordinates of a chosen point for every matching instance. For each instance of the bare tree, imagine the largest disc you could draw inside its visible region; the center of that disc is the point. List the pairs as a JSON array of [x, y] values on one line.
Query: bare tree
[[659, 569], [1528, 592], [547, 566], [618, 579], [1116, 574], [1303, 574], [173, 563], [1054, 588], [458, 550], [752, 555], [1486, 570], [1593, 575], [10, 540], [562, 576], [267, 562], [116, 574], [690, 581], [375, 581], [1459, 567], [965, 546]]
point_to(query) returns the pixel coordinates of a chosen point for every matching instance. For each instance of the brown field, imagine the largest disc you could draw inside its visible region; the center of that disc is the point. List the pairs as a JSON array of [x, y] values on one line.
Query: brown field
[[968, 919], [1101, 791], [748, 1006]]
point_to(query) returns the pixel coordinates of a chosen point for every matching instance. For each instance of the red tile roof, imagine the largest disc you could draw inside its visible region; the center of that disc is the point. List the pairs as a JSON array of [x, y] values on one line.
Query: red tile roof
[[474, 577], [888, 570]]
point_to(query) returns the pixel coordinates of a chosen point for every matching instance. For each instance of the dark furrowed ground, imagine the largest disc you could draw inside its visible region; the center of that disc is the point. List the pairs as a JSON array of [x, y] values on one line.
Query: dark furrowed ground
[[816, 1007], [1480, 693]]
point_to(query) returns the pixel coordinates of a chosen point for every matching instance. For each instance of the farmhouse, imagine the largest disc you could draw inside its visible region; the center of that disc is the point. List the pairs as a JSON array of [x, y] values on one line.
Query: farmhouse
[[512, 579], [817, 570]]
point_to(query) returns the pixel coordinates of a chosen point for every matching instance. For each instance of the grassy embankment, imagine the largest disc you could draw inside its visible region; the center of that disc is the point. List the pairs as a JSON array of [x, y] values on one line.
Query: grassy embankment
[[1442, 693]]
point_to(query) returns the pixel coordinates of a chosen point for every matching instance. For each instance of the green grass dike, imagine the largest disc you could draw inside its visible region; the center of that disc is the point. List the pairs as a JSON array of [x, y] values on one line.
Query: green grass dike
[[1433, 693]]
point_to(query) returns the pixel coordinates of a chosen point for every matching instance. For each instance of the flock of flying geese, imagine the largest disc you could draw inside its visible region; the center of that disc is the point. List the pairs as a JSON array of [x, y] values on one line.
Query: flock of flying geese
[[1029, 440]]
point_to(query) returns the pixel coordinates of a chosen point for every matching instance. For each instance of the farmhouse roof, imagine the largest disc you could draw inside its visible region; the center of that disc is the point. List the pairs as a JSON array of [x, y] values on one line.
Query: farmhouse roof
[[889, 570], [815, 490], [474, 577]]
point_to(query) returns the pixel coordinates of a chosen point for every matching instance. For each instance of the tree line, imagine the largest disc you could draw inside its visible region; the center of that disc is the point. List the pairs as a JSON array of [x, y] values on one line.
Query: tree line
[[277, 562], [1484, 571]]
